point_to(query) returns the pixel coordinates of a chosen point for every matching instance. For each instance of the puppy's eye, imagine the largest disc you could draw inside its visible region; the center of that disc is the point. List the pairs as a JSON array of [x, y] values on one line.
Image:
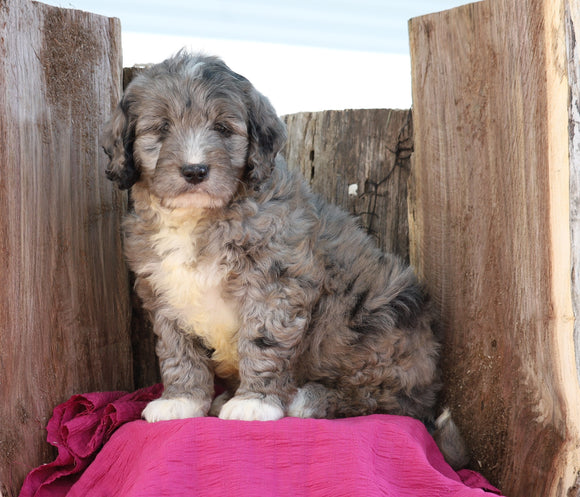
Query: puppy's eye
[[223, 130], [164, 128], [156, 128]]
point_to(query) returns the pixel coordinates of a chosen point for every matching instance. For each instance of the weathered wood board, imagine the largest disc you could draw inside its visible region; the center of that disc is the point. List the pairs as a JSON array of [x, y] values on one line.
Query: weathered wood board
[[358, 159], [64, 304], [573, 53], [490, 224]]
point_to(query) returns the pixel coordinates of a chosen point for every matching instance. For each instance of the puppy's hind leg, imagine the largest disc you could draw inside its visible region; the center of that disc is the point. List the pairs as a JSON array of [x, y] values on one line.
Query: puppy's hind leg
[[186, 374], [313, 400], [219, 402]]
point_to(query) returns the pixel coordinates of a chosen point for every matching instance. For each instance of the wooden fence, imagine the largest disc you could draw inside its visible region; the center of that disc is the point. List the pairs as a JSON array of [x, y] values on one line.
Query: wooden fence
[[494, 201], [359, 159], [486, 208], [64, 300]]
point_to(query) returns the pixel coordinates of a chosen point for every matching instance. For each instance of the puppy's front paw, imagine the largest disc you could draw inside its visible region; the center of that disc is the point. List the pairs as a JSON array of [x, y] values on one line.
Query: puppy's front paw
[[251, 409], [178, 408]]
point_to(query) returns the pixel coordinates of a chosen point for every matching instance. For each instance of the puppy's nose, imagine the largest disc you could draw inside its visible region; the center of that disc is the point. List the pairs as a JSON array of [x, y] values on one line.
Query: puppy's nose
[[194, 173]]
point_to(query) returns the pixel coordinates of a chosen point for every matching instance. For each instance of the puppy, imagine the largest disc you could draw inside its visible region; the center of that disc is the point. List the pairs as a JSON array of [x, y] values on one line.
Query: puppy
[[248, 276]]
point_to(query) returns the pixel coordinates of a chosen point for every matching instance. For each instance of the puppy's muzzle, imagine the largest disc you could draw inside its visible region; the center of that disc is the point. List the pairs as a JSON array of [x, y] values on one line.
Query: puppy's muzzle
[[195, 173]]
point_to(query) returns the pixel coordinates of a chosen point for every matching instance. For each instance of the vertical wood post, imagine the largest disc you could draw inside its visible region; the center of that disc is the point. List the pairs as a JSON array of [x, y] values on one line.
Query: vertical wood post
[[64, 300], [358, 159], [492, 207]]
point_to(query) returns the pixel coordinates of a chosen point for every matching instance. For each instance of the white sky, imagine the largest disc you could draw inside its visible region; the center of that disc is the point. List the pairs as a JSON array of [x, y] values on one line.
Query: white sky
[[295, 78], [304, 55]]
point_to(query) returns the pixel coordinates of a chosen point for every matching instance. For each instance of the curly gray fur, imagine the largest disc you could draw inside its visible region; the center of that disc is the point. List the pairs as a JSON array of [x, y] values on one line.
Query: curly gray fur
[[250, 277]]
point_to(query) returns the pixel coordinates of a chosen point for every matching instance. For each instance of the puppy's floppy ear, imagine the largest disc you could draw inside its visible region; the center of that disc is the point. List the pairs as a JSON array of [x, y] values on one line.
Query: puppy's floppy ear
[[267, 137], [118, 138]]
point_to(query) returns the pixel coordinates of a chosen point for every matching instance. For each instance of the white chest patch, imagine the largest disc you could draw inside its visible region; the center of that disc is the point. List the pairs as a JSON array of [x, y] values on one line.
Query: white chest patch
[[192, 293]]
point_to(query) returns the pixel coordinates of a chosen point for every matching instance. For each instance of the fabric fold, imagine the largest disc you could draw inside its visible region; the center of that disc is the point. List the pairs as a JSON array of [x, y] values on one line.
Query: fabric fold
[[78, 429], [104, 449]]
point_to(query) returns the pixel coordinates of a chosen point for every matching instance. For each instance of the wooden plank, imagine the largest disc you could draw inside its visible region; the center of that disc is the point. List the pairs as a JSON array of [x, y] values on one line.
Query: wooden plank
[[490, 230], [573, 53], [358, 159], [64, 306]]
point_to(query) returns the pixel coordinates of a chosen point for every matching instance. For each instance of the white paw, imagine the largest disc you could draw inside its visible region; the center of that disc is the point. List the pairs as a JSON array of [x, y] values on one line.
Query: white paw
[[179, 408], [301, 405], [250, 410]]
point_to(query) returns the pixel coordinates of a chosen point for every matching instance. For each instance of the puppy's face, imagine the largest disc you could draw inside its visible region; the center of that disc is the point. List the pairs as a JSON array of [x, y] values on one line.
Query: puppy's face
[[192, 132], [191, 141]]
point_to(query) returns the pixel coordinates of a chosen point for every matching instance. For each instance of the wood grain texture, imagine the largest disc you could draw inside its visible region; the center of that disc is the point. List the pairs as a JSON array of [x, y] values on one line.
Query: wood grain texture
[[490, 231], [573, 53], [364, 149], [64, 305]]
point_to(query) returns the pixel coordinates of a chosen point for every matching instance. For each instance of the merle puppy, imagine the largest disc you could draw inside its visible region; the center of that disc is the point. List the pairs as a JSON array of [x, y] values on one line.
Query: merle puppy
[[250, 277]]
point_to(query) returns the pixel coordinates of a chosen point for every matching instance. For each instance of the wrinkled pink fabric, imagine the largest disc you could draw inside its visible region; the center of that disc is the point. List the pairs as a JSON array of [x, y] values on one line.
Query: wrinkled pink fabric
[[78, 429], [367, 456]]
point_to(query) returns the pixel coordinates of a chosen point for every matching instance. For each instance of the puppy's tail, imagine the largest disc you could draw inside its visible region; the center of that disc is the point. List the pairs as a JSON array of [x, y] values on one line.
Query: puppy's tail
[[450, 441]]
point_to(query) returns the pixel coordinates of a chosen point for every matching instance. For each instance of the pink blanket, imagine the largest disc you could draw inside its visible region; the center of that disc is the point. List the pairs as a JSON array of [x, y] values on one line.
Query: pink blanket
[[101, 453]]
